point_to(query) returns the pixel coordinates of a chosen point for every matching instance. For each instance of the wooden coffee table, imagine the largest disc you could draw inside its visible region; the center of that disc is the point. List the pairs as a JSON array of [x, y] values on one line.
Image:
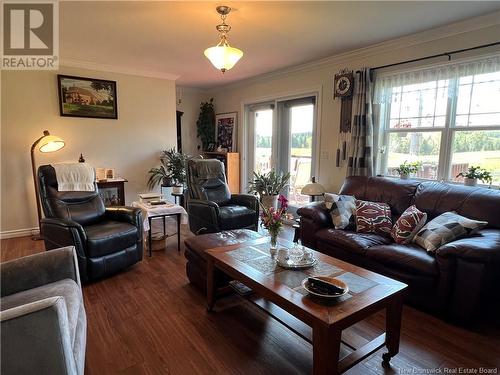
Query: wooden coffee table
[[279, 293]]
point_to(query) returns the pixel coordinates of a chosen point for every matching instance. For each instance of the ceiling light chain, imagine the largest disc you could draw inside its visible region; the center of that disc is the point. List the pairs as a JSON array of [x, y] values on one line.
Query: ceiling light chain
[[223, 56]]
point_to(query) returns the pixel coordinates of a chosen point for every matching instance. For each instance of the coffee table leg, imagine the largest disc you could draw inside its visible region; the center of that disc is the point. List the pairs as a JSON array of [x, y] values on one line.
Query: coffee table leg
[[150, 237], [178, 232], [326, 349], [210, 285], [393, 327]]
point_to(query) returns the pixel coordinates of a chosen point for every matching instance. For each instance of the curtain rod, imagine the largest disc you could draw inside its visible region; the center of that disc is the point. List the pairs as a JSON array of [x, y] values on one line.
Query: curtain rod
[[447, 54]]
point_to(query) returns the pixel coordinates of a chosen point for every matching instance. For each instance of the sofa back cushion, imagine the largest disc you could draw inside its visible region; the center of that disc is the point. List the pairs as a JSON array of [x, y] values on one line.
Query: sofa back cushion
[[477, 203], [398, 194]]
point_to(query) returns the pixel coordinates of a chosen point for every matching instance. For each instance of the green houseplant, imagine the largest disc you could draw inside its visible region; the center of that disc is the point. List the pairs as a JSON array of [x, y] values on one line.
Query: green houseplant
[[205, 125], [406, 169], [475, 173], [171, 172], [269, 185]]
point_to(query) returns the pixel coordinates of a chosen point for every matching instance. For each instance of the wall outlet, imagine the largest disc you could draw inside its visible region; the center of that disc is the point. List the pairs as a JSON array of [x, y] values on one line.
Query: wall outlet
[[325, 155]]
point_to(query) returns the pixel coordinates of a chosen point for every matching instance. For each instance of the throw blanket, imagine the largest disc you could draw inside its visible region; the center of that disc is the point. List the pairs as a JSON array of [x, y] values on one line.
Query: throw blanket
[[74, 177]]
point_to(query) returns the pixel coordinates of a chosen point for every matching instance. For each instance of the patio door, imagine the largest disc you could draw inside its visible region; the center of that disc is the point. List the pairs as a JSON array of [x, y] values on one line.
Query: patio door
[[282, 137]]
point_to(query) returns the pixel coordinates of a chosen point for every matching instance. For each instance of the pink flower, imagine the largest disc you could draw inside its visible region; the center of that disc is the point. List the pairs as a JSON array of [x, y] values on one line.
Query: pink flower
[[283, 202]]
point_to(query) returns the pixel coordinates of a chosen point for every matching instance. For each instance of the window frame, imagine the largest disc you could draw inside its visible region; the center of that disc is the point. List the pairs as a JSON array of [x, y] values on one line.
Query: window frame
[[447, 134]]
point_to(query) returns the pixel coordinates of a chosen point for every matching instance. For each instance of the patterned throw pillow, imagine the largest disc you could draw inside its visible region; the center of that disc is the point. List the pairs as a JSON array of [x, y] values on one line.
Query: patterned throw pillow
[[408, 225], [342, 209], [373, 217], [445, 228]]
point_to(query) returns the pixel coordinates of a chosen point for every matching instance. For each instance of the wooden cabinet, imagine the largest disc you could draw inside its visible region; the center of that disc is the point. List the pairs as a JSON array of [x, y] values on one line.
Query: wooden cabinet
[[231, 162], [112, 191]]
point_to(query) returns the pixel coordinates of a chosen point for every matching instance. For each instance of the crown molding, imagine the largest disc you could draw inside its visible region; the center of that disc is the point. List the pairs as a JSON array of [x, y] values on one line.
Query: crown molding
[[82, 64], [453, 29]]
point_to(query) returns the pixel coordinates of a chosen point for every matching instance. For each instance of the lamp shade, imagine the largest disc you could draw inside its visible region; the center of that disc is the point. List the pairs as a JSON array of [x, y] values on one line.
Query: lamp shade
[[50, 143], [223, 56], [314, 188]]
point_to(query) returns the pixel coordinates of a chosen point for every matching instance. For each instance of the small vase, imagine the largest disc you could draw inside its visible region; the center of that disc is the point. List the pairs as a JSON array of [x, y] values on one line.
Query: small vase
[[404, 176], [273, 248]]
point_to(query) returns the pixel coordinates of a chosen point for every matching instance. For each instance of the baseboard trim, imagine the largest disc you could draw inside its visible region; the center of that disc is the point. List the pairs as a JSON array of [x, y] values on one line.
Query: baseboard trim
[[19, 233]]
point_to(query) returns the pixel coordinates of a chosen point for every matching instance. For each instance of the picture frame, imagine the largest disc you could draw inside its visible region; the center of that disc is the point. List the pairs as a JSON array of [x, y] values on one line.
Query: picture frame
[[110, 173], [226, 128], [87, 97]]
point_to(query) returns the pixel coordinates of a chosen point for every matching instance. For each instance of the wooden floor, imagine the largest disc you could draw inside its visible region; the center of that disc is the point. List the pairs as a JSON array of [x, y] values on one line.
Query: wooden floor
[[150, 320]]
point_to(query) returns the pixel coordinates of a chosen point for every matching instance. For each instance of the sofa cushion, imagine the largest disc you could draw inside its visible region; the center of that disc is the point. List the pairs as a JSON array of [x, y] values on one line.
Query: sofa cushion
[[446, 228], [65, 288], [233, 215], [408, 225], [407, 258], [108, 237], [353, 241], [342, 210], [373, 217]]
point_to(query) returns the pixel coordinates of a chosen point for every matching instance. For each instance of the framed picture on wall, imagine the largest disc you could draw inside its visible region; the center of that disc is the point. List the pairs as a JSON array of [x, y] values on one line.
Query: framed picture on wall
[[225, 130], [87, 97]]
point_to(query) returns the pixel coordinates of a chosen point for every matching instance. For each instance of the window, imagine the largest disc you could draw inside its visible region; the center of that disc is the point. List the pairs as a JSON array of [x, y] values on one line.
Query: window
[[447, 118]]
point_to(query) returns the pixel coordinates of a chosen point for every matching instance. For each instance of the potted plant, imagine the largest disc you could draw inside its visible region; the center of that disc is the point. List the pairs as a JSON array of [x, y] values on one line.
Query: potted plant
[[176, 166], [171, 172], [406, 169], [269, 186], [475, 173], [205, 125]]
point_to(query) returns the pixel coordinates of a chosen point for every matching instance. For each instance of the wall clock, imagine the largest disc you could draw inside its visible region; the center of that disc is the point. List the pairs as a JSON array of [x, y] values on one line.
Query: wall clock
[[343, 85]]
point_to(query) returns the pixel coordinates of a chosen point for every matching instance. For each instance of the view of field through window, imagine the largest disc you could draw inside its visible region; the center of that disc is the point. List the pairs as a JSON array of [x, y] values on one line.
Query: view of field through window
[[462, 115]]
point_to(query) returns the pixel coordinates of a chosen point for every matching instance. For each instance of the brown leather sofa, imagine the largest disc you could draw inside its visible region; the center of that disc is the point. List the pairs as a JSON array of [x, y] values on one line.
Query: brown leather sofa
[[459, 281]]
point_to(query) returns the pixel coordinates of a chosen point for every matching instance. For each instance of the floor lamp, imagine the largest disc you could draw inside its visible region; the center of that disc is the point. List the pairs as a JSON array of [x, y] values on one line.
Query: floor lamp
[[46, 143]]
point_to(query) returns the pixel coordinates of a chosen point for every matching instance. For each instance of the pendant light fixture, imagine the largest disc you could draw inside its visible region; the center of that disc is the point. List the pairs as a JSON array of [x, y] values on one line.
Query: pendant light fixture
[[223, 56]]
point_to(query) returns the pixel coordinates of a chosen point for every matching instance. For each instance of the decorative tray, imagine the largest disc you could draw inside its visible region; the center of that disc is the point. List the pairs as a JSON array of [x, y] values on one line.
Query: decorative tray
[[337, 282], [302, 264]]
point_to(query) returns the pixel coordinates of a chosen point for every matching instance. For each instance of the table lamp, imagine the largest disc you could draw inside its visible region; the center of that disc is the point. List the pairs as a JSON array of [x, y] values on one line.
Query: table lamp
[[46, 143], [313, 189]]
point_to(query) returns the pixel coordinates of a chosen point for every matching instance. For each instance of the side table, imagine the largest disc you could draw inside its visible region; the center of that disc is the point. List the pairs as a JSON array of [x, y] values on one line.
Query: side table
[[162, 211]]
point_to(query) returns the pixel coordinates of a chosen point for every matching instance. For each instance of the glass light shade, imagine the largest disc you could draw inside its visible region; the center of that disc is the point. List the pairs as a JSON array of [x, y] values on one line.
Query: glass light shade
[[314, 188], [50, 143], [223, 57]]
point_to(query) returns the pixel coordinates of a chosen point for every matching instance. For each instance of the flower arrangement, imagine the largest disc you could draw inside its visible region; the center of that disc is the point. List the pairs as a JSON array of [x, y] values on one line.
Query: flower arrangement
[[272, 219]]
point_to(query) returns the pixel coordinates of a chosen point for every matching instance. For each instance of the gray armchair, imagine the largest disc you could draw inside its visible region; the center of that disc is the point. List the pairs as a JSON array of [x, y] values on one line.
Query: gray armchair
[[210, 205], [43, 321]]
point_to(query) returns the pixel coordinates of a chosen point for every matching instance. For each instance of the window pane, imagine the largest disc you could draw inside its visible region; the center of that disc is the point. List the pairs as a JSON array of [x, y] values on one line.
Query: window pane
[[477, 100], [419, 105], [476, 148], [411, 147], [263, 140], [301, 126]]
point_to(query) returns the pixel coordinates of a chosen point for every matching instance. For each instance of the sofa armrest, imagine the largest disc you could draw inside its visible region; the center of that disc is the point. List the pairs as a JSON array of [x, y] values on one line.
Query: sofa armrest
[[203, 216], [247, 200], [484, 247], [313, 217], [125, 214], [36, 339], [39, 269]]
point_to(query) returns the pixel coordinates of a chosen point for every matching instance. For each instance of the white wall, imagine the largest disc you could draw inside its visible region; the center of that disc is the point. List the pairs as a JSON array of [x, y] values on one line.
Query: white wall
[[474, 32], [131, 144]]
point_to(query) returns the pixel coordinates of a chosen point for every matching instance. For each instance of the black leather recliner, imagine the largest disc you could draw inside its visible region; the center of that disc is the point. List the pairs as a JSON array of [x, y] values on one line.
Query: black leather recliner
[[210, 205], [107, 239]]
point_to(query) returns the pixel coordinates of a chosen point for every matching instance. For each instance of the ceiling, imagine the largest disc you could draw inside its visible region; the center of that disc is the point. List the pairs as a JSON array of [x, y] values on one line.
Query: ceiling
[[168, 38]]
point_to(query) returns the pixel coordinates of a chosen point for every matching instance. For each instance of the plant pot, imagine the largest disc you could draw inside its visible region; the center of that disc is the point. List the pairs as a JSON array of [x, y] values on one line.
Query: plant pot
[[167, 182], [404, 176], [270, 201], [177, 189], [470, 181]]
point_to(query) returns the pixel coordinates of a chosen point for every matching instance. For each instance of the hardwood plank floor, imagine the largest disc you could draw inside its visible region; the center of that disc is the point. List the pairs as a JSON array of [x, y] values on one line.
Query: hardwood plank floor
[[150, 320]]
